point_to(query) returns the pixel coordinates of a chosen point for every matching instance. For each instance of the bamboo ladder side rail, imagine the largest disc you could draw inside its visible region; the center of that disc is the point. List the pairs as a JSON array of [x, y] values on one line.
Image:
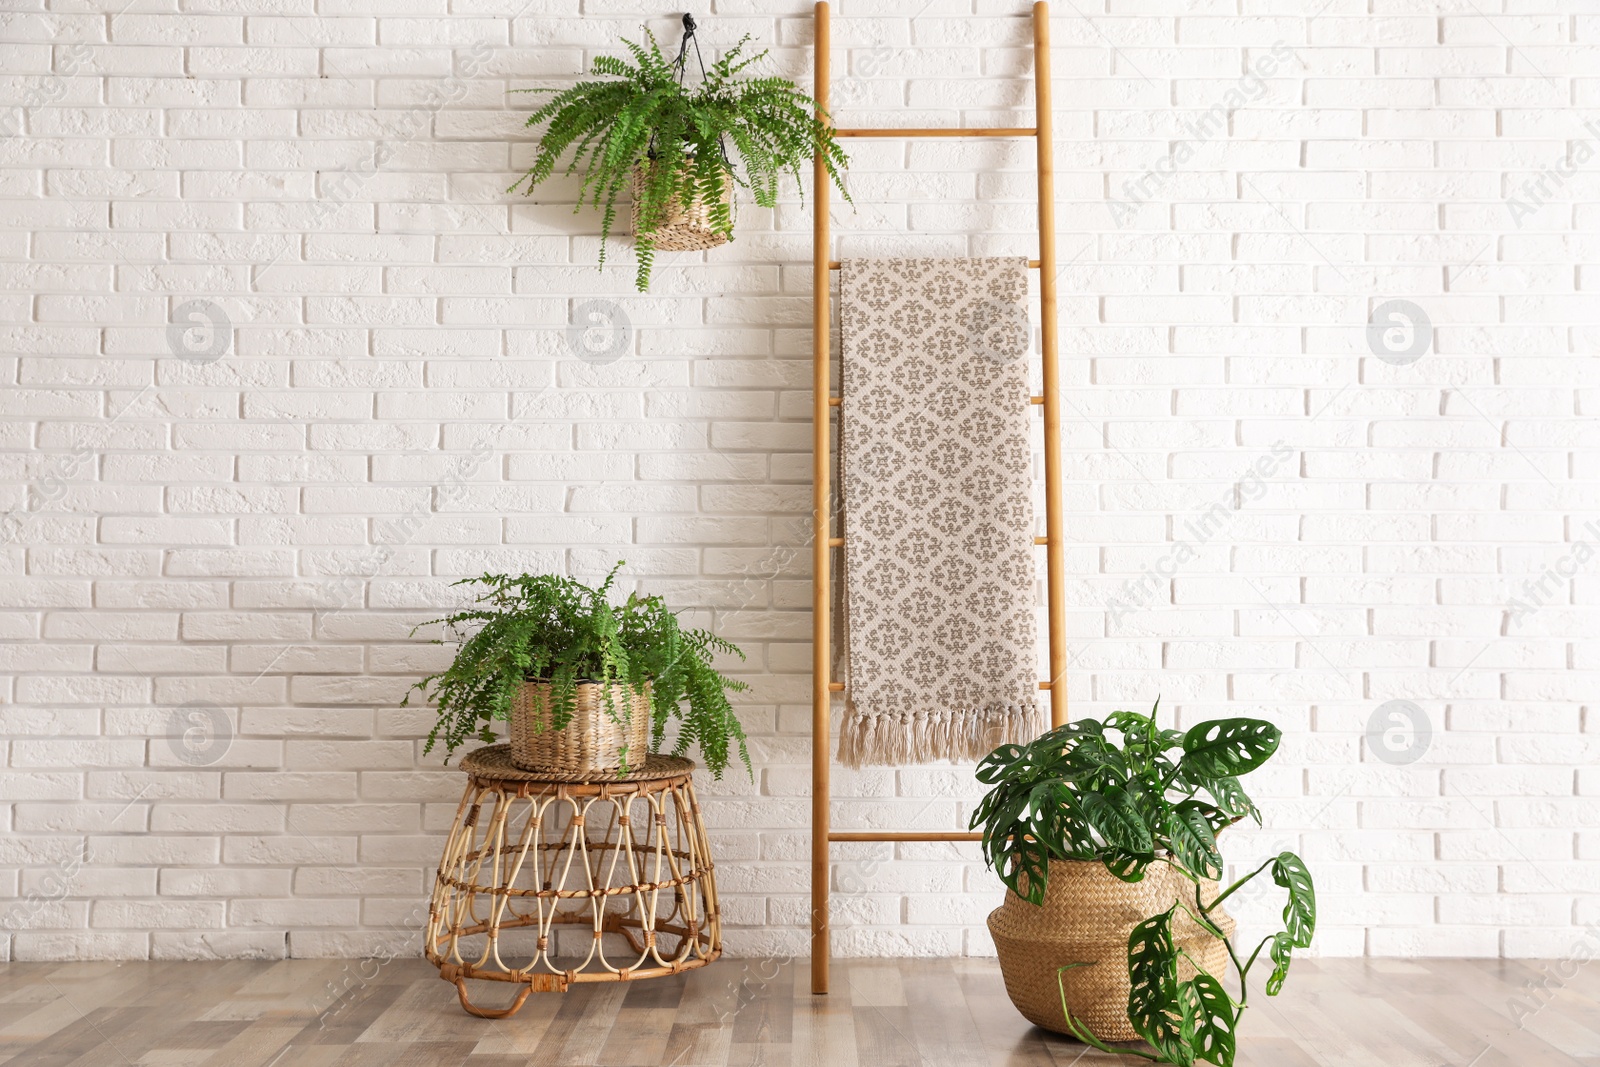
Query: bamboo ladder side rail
[[823, 403]]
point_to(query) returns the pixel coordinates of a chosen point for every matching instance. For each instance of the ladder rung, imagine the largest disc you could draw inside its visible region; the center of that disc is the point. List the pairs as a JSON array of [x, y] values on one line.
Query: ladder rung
[[838, 542], [905, 835], [833, 264], [838, 687], [924, 131], [940, 131], [835, 401]]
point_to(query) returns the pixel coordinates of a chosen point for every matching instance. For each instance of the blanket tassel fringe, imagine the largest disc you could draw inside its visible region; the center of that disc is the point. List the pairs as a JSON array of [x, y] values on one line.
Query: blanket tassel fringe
[[897, 738]]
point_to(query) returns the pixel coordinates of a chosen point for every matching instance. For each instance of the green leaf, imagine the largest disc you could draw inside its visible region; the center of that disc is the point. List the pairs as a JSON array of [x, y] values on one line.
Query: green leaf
[[1061, 825], [1228, 747], [1128, 866], [1153, 1005], [1282, 949], [1097, 753], [1217, 819], [1299, 916], [1230, 797], [1166, 739], [1018, 860], [1113, 815], [1137, 730], [1030, 869], [1194, 844], [1300, 913], [984, 810], [1150, 801], [1072, 731], [1189, 1012], [1215, 1020], [997, 763]]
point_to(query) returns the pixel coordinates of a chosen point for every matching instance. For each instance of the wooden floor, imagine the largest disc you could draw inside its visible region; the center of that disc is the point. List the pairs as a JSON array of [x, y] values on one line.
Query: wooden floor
[[883, 1013]]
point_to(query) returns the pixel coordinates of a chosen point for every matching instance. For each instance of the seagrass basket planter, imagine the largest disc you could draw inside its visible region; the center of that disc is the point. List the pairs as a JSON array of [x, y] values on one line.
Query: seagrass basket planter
[[1085, 919], [598, 739], [686, 226]]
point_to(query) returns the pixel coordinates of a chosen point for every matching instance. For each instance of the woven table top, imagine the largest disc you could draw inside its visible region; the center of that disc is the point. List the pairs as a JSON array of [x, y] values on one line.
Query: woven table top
[[494, 761]]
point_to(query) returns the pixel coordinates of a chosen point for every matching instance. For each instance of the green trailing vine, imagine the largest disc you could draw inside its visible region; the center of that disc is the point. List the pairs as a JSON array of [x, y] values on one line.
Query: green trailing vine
[[551, 627], [648, 116], [1128, 793]]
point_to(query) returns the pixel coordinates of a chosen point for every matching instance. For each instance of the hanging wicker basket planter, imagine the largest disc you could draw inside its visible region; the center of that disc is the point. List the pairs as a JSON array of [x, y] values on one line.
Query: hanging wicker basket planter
[[685, 227], [597, 740], [1085, 921]]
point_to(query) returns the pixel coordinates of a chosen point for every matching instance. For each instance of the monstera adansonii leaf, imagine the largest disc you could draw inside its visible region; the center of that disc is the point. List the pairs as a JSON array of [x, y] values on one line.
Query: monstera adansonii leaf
[[1193, 841], [1227, 748], [1153, 1005], [1115, 817], [1212, 1018], [1230, 796], [1299, 916]]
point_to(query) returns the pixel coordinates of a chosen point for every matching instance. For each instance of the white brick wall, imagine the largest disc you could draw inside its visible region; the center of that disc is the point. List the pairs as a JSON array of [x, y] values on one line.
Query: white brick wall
[[237, 527]]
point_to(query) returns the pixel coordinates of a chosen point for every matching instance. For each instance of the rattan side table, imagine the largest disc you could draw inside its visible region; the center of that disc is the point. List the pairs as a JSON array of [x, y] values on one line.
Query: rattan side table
[[626, 857]]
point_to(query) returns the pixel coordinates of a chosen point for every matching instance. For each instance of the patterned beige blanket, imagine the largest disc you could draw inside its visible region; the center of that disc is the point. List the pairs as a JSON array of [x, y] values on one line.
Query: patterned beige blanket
[[936, 473]]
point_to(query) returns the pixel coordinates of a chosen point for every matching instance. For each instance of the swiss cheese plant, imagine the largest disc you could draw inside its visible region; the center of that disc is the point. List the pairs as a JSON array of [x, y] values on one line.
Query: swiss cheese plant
[[1128, 793]]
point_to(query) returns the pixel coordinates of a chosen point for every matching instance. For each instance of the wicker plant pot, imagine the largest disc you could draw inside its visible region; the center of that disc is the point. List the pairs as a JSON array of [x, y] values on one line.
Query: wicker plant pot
[[1086, 917], [592, 743], [686, 227]]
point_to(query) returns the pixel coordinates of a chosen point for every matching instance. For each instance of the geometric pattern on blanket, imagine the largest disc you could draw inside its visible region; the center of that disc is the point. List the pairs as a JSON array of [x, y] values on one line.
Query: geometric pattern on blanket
[[936, 473]]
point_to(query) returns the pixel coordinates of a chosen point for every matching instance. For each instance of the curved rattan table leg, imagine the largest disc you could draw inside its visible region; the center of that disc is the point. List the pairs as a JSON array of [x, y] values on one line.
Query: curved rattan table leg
[[491, 1013], [511, 863]]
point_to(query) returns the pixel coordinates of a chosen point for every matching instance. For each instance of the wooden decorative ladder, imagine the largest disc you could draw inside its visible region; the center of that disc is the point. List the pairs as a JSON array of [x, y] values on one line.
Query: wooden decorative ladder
[[823, 685]]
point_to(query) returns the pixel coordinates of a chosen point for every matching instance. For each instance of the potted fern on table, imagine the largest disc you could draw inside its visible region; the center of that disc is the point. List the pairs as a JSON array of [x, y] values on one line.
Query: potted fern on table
[[588, 687], [669, 143]]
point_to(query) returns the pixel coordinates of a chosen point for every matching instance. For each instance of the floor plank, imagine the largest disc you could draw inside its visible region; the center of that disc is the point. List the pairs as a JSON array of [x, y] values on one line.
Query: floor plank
[[753, 1013]]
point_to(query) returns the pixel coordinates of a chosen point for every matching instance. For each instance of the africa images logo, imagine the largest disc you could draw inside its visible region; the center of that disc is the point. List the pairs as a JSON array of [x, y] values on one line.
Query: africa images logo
[[1540, 189]]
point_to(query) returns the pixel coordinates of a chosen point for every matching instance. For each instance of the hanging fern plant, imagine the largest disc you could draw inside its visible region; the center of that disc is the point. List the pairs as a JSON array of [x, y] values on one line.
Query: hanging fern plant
[[649, 131]]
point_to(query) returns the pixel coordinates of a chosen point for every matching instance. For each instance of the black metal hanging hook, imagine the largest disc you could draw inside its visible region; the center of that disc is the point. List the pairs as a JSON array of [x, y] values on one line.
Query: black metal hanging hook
[[682, 62], [681, 66]]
